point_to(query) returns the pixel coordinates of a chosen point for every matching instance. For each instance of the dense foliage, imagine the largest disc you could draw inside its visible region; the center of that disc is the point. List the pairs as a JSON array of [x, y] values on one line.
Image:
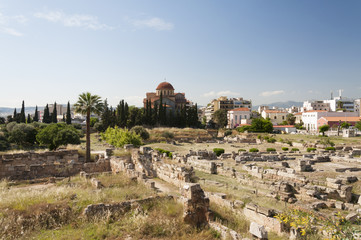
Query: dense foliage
[[169, 154], [141, 131], [258, 125], [253, 150], [220, 117], [55, 135], [118, 137], [218, 151]]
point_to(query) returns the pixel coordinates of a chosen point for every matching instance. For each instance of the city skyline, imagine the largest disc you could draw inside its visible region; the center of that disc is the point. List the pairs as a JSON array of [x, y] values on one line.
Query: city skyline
[[266, 51]]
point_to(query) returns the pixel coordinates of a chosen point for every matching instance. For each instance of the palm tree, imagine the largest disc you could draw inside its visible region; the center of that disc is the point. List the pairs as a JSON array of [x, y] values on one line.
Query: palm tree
[[87, 104]]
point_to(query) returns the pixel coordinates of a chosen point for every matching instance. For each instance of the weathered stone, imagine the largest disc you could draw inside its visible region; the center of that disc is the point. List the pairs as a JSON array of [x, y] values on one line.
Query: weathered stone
[[352, 217], [258, 231]]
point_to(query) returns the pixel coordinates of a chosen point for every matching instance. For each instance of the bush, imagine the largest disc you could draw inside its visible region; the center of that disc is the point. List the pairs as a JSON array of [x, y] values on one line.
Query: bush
[[311, 149], [22, 134], [270, 149], [241, 150], [330, 149], [57, 134], [253, 150], [218, 151], [169, 154], [285, 148], [141, 131], [295, 149], [167, 134], [4, 144], [227, 132], [118, 137], [271, 140]]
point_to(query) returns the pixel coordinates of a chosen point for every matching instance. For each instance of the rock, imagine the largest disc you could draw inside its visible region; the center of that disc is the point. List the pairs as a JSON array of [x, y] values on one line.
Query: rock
[[352, 217], [318, 205], [339, 205], [258, 231]]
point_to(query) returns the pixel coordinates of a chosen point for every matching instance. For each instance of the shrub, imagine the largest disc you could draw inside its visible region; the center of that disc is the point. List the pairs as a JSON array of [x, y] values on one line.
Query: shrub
[[57, 134], [118, 137], [218, 151], [4, 144], [331, 148], [169, 154], [271, 140], [270, 149], [141, 131], [253, 150], [285, 148], [295, 149], [167, 134], [22, 134], [241, 150], [227, 132], [311, 149]]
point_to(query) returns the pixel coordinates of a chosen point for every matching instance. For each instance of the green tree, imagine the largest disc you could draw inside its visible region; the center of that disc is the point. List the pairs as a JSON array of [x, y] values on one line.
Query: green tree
[[4, 143], [29, 120], [118, 137], [87, 104], [261, 125], [58, 134], [358, 125], [22, 113], [291, 119], [220, 117], [36, 115], [345, 125], [24, 135], [54, 115], [68, 114], [323, 129], [16, 116], [2, 120], [46, 115]]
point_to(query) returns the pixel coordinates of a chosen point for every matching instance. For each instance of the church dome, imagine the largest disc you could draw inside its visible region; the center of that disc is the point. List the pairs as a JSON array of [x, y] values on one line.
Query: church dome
[[165, 86]]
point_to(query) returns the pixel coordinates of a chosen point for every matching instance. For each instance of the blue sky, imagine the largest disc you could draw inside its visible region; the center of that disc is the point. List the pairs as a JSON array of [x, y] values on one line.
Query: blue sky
[[265, 51]]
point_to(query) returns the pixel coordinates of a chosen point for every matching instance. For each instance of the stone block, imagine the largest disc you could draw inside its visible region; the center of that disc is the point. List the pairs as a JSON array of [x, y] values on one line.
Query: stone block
[[258, 231]]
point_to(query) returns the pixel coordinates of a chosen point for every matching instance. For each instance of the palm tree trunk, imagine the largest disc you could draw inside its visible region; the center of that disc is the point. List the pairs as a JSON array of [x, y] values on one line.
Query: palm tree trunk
[[87, 158]]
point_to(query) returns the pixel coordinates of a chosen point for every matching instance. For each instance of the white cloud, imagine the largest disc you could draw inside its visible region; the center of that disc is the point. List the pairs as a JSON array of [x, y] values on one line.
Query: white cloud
[[75, 20], [220, 93], [5, 21], [154, 23], [271, 93]]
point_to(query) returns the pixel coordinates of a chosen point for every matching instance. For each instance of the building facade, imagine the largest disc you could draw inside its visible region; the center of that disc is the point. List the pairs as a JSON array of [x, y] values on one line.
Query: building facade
[[238, 116], [172, 100]]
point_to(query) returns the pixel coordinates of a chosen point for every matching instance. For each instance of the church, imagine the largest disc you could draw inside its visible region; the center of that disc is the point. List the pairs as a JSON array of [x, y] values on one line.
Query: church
[[173, 101]]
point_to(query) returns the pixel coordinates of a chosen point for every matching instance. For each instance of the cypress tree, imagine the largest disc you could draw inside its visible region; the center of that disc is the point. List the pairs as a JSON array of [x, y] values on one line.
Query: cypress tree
[[46, 116], [54, 115], [15, 117], [68, 114], [29, 119], [126, 114], [36, 115], [22, 113]]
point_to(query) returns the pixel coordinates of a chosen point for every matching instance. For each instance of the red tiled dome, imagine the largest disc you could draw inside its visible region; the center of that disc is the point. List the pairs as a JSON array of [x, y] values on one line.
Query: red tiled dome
[[165, 86]]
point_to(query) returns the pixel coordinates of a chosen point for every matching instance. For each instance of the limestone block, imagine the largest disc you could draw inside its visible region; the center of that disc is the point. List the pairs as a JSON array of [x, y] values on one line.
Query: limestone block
[[258, 231]]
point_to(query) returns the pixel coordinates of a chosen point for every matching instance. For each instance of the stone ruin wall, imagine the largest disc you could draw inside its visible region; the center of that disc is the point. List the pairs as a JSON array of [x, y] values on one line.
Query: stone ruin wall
[[63, 163]]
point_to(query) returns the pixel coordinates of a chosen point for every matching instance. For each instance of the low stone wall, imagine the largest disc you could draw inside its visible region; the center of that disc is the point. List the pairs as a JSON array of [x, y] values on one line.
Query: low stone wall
[[62, 163], [174, 174], [118, 209], [202, 165], [263, 216]]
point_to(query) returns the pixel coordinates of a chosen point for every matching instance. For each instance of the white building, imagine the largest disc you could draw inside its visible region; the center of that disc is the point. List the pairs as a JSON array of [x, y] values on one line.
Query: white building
[[310, 118], [316, 105], [276, 116], [238, 116]]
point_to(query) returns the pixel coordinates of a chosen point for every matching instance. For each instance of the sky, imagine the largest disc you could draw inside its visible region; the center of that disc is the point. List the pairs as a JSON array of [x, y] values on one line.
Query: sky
[[263, 50]]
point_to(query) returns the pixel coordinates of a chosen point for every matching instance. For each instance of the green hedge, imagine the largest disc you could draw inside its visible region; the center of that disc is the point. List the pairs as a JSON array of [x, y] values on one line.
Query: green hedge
[[285, 148], [295, 149], [169, 154], [270, 149], [253, 150], [241, 150], [218, 151], [310, 149], [331, 148]]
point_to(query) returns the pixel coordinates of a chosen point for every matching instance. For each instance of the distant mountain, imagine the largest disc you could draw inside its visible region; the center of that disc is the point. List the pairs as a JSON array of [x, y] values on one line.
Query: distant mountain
[[287, 104], [4, 111]]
